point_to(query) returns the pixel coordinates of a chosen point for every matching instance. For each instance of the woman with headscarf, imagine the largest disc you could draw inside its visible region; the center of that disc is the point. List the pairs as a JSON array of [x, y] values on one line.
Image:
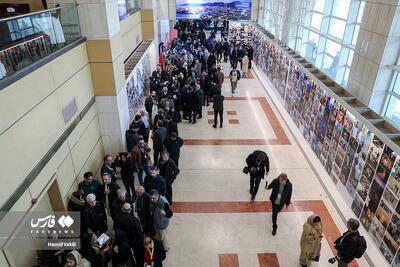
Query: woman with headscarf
[[310, 242], [74, 259]]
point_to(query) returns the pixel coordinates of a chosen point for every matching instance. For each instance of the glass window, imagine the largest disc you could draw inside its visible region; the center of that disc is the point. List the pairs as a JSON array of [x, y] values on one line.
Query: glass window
[[332, 48], [316, 20], [393, 110], [319, 5], [360, 11], [340, 8], [336, 28], [396, 85], [355, 35], [326, 62], [346, 76], [350, 58]]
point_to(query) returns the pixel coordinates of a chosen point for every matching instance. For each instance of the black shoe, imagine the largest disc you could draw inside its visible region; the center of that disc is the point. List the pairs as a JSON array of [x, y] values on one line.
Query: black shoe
[[220, 126], [190, 121], [273, 231], [215, 126], [194, 122], [252, 197], [266, 184], [304, 265], [316, 259], [199, 117]]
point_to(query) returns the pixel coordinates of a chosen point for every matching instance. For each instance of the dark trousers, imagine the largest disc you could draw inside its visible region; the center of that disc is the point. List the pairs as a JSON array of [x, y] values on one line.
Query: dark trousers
[[157, 152], [221, 119], [138, 252], [275, 210], [254, 184], [225, 56], [192, 115], [200, 111], [206, 98], [145, 168], [176, 160], [219, 56], [130, 185], [234, 64], [168, 192]]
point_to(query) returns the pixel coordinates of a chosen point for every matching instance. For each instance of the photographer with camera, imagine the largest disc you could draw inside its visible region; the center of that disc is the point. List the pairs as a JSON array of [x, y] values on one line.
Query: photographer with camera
[[350, 245]]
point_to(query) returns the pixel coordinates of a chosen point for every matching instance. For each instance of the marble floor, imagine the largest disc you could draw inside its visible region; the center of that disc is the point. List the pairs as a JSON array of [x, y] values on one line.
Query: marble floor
[[214, 222]]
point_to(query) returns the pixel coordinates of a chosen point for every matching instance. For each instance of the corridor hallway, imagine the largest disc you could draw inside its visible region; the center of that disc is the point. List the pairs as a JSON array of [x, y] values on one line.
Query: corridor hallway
[[214, 222]]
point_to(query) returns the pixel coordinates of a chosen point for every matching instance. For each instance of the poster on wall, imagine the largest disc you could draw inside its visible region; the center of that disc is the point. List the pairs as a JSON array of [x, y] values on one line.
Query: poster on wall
[[213, 9], [365, 170]]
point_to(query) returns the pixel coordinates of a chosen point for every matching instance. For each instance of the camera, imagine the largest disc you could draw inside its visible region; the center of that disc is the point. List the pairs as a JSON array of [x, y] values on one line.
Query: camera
[[332, 260]]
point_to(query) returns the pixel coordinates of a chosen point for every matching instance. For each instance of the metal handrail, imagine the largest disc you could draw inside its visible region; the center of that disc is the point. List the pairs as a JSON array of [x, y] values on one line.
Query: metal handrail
[[37, 12]]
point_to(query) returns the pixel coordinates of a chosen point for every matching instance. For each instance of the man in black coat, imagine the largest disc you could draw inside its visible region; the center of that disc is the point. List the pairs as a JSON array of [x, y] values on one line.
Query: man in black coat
[[280, 196], [118, 203], [173, 145], [108, 191], [154, 181], [138, 123], [127, 165], [226, 50], [150, 100], [94, 215], [170, 125], [258, 166], [142, 208], [169, 171], [133, 230], [218, 106], [192, 104], [108, 167], [132, 137], [347, 244]]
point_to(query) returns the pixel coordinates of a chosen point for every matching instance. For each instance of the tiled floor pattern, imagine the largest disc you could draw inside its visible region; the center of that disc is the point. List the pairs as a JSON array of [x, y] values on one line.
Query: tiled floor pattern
[[214, 223]]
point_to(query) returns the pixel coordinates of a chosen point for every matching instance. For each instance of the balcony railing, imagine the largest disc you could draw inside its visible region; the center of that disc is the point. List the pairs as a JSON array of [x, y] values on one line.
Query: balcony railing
[[28, 38]]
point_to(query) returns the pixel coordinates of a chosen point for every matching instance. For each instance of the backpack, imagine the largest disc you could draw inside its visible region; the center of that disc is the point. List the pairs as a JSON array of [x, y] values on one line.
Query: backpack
[[234, 76], [360, 248]]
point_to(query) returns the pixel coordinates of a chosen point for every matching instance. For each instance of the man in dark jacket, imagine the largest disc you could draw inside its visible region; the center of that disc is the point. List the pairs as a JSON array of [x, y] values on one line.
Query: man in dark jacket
[[108, 167], [150, 101], [226, 50], [347, 244], [200, 100], [218, 106], [170, 125], [139, 124], [108, 191], [142, 208], [192, 103], [94, 215], [158, 137], [89, 186], [127, 165], [133, 230], [173, 145], [280, 196], [132, 137], [119, 201], [154, 181], [258, 166], [169, 171]]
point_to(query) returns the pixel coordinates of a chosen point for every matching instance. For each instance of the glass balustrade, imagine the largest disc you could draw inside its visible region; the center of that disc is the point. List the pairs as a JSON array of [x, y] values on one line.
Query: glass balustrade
[[28, 38]]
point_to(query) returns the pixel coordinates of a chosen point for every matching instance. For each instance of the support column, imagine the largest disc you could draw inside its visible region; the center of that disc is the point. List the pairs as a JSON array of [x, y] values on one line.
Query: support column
[[377, 47]]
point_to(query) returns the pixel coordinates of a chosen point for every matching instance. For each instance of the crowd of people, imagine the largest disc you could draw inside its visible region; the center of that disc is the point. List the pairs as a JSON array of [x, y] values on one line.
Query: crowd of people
[[127, 226]]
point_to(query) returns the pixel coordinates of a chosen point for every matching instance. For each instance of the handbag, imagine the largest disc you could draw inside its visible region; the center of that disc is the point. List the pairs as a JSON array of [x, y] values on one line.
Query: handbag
[[246, 170]]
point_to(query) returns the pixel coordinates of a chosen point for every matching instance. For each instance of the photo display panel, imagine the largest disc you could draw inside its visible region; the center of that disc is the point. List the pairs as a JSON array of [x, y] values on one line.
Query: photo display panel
[[213, 9], [365, 170]]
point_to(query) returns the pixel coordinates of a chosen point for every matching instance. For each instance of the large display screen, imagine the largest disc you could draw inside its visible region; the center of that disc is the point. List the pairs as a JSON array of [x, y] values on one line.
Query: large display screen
[[213, 9]]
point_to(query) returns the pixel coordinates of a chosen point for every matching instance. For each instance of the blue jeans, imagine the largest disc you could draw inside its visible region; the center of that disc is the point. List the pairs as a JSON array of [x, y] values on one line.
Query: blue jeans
[[144, 168]]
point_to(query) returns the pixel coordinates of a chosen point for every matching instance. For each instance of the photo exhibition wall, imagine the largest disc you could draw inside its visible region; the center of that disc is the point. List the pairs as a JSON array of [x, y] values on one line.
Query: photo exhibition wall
[[213, 9], [365, 170]]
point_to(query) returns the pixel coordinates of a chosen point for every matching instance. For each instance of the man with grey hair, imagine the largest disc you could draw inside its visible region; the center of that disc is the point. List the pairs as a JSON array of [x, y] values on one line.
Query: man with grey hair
[[119, 201], [142, 205], [350, 245], [160, 214], [94, 215]]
